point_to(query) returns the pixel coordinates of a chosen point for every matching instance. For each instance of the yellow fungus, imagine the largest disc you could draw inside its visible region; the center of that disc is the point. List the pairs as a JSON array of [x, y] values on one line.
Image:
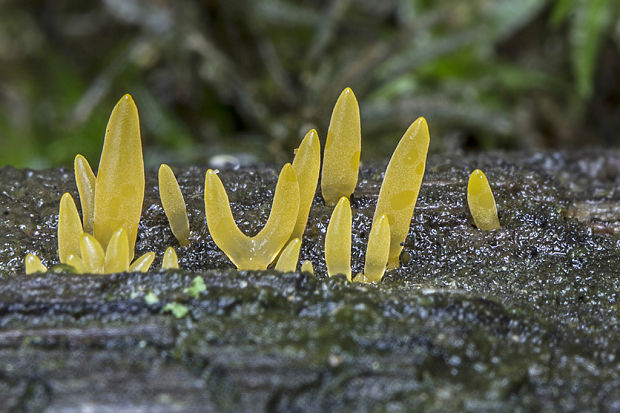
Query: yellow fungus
[[69, 228], [76, 262], [306, 165], [174, 204], [377, 250], [170, 261], [338, 240], [85, 181], [401, 185], [119, 188], [252, 253], [481, 201], [341, 157], [289, 257], [116, 254], [33, 264], [142, 263], [92, 254], [306, 266]]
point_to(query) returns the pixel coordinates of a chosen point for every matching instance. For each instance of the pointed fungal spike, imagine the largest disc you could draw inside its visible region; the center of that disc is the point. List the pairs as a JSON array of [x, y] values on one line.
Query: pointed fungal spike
[[289, 257], [481, 202], [117, 253], [119, 188], [92, 254], [76, 262], [142, 263], [306, 266], [174, 204], [401, 185], [338, 240], [170, 262], [33, 264], [306, 165], [341, 157], [69, 228], [85, 181], [377, 250]]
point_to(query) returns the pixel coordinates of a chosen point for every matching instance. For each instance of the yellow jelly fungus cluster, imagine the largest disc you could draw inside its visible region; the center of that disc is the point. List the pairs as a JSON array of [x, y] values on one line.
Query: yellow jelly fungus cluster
[[481, 201]]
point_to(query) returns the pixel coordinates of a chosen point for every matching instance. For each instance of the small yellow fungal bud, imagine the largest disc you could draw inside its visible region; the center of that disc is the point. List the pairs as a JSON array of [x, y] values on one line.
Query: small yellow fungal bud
[[401, 185], [257, 252], [377, 250], [306, 266], [142, 263], [289, 257], [69, 228], [481, 201], [174, 204], [85, 181], [170, 261], [341, 157], [92, 254], [338, 240], [33, 264], [306, 165], [119, 188], [117, 253], [76, 262]]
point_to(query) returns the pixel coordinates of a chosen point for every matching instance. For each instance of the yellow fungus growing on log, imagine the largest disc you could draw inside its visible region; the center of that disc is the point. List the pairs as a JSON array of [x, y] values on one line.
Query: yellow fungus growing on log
[[401, 185], [174, 204], [377, 250], [85, 181], [252, 253], [341, 157], [69, 228], [306, 165], [142, 263], [338, 240], [289, 256], [76, 262], [116, 254], [306, 266], [92, 254], [481, 201], [33, 264], [170, 261], [119, 188]]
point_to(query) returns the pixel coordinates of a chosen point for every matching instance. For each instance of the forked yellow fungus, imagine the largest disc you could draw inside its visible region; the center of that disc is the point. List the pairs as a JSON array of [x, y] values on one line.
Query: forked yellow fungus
[[401, 185], [170, 261], [33, 264], [338, 240], [377, 251], [306, 266], [252, 253], [481, 201], [289, 256], [85, 181], [69, 228], [306, 165], [174, 204], [119, 187], [341, 157]]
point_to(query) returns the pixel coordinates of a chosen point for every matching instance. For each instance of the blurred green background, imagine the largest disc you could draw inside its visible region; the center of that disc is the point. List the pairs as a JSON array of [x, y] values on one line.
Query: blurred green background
[[238, 76]]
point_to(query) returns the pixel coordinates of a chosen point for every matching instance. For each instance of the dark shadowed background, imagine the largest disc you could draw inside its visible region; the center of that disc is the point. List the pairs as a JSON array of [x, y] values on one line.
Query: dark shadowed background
[[251, 77]]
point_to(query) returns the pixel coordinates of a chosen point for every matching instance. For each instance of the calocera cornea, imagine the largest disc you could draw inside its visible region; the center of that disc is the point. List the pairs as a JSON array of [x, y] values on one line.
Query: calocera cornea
[[481, 202], [174, 204]]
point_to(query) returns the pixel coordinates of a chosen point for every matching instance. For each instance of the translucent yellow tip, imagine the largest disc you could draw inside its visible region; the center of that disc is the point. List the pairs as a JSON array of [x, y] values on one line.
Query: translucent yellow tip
[[338, 240], [170, 261], [306, 165], [76, 262], [341, 157], [377, 250], [306, 266], [92, 254], [481, 201], [69, 228], [401, 185], [85, 181], [119, 188], [289, 257], [116, 254], [143, 263], [174, 204], [33, 264]]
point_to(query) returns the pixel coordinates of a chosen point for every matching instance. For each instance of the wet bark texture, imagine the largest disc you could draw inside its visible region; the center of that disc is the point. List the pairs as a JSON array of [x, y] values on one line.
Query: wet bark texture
[[519, 319]]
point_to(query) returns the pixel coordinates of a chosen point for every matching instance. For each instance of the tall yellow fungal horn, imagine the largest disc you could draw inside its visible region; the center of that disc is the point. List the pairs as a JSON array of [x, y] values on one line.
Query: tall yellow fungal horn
[[289, 257], [174, 204], [306, 165], [401, 185], [481, 201], [116, 254], [341, 157], [92, 254], [252, 253], [119, 188], [377, 250], [69, 229], [338, 240], [85, 181]]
